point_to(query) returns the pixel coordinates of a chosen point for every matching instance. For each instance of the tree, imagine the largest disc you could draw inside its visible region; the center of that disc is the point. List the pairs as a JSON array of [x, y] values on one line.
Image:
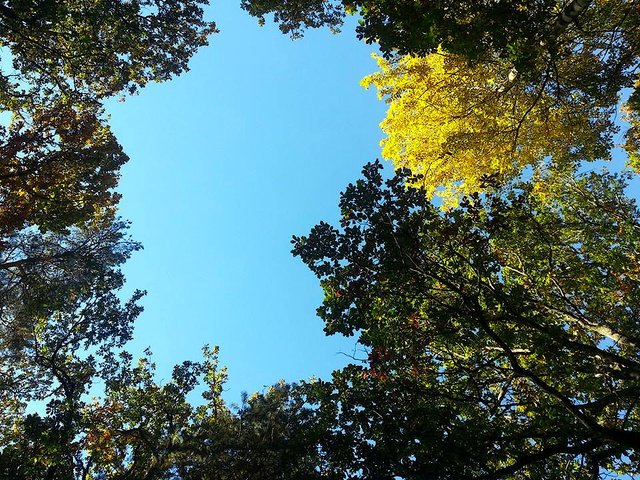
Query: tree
[[501, 336], [59, 165], [142, 429], [60, 244], [101, 47], [517, 30], [59, 162], [632, 137], [457, 124], [145, 430], [293, 16], [61, 318], [272, 435]]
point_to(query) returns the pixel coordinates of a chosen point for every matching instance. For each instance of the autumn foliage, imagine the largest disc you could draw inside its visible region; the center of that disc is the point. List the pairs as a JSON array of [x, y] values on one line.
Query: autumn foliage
[[499, 336], [457, 124]]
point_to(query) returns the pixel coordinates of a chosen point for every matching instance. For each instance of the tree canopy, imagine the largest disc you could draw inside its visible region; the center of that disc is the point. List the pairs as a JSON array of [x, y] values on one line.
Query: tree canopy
[[61, 319], [518, 30], [59, 166], [102, 47], [59, 162], [499, 337], [457, 124], [502, 335]]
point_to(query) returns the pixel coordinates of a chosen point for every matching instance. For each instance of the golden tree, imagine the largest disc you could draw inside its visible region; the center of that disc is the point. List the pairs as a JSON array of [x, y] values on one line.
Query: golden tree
[[458, 123]]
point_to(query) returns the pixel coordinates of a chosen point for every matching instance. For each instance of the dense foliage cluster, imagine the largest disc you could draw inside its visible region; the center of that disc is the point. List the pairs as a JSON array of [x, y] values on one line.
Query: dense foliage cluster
[[457, 124], [513, 28], [501, 335]]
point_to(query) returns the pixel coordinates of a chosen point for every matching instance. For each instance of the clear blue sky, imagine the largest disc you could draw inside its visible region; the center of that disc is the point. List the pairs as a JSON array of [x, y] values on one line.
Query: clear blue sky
[[228, 161]]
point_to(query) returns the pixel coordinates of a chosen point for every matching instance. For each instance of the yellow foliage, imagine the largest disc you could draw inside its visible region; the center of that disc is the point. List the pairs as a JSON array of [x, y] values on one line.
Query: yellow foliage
[[456, 123], [631, 112]]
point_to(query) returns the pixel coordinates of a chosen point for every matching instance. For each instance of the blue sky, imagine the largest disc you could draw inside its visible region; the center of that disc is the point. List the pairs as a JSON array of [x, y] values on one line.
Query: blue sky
[[228, 161]]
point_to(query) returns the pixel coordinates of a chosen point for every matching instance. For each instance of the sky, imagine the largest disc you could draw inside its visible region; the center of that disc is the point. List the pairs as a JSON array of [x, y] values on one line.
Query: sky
[[253, 145]]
